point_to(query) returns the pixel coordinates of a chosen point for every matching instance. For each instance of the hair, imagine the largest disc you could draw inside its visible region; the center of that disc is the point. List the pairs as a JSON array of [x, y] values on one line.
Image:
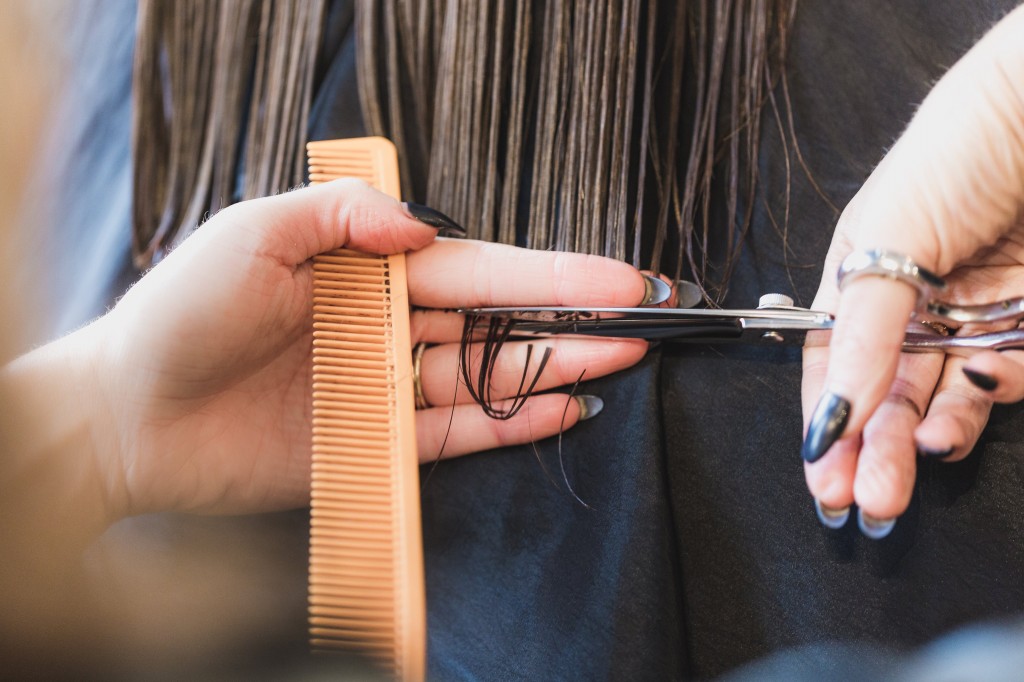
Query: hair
[[627, 128], [612, 127], [195, 126]]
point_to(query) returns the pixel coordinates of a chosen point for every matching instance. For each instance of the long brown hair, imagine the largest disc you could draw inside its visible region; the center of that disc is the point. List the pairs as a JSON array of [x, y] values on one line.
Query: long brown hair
[[628, 128]]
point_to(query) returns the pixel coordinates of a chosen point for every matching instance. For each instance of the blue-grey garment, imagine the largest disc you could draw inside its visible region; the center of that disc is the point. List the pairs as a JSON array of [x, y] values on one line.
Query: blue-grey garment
[[79, 201], [699, 551]]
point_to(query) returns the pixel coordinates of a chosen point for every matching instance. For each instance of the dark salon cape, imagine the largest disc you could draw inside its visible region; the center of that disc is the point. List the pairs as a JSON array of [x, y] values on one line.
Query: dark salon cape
[[699, 551]]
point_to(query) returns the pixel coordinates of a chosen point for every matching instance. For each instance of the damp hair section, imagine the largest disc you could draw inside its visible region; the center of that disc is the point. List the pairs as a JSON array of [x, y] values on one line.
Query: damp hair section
[[624, 128]]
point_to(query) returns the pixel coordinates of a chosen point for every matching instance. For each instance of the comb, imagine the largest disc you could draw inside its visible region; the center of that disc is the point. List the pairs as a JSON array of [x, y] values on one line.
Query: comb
[[366, 589]]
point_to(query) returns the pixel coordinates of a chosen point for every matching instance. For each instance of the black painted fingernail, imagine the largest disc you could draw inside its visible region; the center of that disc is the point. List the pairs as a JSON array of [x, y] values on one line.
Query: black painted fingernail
[[831, 518], [873, 528], [983, 381], [590, 406], [655, 291], [827, 424], [933, 453], [446, 227]]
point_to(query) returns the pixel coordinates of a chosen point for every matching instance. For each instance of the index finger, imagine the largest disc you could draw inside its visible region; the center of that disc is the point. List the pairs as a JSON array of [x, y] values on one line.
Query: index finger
[[465, 273], [864, 351]]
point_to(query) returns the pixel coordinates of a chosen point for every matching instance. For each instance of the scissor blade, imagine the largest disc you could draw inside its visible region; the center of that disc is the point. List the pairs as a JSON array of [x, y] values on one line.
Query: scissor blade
[[669, 324]]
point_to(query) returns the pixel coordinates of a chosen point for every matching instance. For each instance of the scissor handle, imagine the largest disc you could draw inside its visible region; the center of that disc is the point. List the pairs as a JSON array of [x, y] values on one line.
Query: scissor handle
[[964, 345], [956, 315], [892, 265]]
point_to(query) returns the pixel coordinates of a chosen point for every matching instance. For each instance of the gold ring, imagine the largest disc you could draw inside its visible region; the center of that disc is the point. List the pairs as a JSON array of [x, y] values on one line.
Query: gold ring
[[417, 383]]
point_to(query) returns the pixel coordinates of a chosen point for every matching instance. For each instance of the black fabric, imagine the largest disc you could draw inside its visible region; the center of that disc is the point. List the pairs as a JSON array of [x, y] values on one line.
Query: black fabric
[[696, 453], [698, 550]]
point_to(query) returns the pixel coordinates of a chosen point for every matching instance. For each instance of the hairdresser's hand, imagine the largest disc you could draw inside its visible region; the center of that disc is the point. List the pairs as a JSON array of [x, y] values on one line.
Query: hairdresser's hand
[[949, 195], [204, 366]]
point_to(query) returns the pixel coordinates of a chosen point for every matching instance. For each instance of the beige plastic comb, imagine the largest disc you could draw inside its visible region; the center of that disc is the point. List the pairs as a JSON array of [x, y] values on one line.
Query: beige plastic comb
[[366, 590]]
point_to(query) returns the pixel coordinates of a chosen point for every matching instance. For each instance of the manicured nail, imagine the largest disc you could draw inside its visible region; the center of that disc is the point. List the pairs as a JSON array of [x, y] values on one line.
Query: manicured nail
[[590, 406], [983, 381], [873, 528], [688, 294], [934, 453], [655, 291], [831, 518], [827, 424], [446, 227]]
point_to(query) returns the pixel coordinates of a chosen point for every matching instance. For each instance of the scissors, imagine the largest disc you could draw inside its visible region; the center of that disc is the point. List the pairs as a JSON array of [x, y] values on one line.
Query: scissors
[[777, 321]]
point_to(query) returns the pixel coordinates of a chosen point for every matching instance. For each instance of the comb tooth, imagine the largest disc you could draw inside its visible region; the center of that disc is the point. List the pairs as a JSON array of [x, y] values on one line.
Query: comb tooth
[[366, 568]]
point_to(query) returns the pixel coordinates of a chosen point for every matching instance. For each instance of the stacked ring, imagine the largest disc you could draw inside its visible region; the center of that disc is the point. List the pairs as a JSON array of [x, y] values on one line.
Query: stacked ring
[[892, 265]]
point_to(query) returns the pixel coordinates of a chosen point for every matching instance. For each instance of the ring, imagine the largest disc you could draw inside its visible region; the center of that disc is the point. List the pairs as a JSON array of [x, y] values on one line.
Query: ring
[[892, 265], [417, 383]]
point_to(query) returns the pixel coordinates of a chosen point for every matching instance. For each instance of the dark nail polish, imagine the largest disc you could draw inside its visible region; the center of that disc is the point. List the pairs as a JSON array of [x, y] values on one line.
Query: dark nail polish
[[873, 528], [932, 453], [590, 406], [655, 291], [827, 424], [446, 227], [981, 380], [831, 518]]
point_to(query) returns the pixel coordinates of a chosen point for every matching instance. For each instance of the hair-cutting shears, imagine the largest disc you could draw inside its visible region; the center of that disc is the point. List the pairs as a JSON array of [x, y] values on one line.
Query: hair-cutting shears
[[934, 326]]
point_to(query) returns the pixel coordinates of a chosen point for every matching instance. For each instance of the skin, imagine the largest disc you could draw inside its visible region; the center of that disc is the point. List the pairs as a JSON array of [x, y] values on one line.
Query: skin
[[950, 195]]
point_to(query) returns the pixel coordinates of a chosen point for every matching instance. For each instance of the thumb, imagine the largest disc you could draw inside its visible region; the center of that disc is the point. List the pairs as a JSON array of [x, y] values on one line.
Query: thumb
[[953, 183], [295, 226]]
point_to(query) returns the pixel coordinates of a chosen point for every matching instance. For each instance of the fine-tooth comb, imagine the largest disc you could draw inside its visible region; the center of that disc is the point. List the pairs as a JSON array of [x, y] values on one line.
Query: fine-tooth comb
[[366, 590]]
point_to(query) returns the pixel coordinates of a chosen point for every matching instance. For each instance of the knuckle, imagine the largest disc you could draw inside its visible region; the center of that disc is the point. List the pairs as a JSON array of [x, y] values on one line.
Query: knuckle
[[350, 185]]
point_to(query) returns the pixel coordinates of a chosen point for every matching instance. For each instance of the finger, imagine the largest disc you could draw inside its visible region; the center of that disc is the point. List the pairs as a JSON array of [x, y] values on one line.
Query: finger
[[956, 416], [830, 481], [1000, 376], [863, 356], [876, 469], [295, 226], [463, 429], [569, 359], [464, 273], [436, 326]]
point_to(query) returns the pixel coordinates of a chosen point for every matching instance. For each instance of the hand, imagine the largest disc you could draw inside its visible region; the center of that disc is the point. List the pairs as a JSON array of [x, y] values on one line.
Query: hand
[[949, 195], [203, 369]]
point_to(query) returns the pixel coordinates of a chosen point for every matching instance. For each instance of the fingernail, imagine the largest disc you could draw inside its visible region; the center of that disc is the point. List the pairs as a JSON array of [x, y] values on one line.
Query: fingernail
[[983, 381], [688, 294], [652, 345], [873, 528], [446, 227], [655, 291], [827, 424], [831, 518], [590, 406], [932, 453]]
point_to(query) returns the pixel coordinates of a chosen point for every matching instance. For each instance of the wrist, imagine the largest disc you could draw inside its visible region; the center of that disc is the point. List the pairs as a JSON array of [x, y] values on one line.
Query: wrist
[[59, 469]]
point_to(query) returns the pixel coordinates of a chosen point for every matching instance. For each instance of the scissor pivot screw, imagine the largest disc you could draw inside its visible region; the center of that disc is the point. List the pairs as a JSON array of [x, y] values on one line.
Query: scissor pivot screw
[[773, 336], [774, 301]]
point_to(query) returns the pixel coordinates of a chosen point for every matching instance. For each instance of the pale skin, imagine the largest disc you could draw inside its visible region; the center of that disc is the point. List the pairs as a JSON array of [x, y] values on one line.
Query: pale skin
[[950, 195], [193, 393]]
